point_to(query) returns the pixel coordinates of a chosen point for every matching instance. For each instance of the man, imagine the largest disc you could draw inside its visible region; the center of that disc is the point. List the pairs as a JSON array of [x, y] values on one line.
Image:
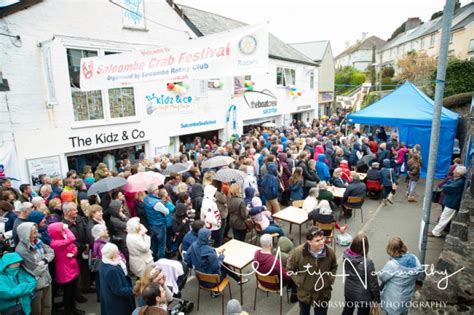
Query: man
[[36, 257], [156, 213], [374, 173], [268, 264], [355, 189], [453, 191], [26, 191], [313, 266], [171, 186], [22, 216], [310, 178], [191, 236], [7, 186], [77, 225]]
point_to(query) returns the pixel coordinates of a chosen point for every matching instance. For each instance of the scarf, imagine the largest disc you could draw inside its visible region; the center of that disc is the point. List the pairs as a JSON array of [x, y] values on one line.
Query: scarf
[[117, 262]]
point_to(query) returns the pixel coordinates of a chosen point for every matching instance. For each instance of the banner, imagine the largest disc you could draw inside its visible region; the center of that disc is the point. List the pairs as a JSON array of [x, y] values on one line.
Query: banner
[[237, 52]]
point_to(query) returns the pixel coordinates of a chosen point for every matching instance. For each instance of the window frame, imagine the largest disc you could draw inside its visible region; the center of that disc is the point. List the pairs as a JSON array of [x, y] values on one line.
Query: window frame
[[432, 40], [284, 72], [105, 97]]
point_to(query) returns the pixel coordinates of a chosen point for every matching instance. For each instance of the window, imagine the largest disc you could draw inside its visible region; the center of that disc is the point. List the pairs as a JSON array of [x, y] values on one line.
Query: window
[[450, 38], [412, 45], [398, 50], [311, 80], [432, 40], [100, 104], [422, 43], [471, 45], [285, 76]]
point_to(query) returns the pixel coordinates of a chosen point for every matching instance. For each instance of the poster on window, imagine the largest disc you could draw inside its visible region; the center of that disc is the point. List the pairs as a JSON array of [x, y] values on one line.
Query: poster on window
[[134, 14], [37, 168]]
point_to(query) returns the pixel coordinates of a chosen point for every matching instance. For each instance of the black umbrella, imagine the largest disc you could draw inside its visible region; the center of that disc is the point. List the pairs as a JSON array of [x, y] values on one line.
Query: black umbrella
[[105, 185]]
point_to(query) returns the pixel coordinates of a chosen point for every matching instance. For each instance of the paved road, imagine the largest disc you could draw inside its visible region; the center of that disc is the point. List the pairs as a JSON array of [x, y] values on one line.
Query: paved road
[[380, 223]]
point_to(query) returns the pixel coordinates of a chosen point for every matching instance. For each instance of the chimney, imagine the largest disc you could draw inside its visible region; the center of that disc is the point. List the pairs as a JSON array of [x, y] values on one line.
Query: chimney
[[411, 23]]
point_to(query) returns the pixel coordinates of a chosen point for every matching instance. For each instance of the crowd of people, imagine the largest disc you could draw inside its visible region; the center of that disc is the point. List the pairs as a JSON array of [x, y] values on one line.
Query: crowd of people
[[66, 241]]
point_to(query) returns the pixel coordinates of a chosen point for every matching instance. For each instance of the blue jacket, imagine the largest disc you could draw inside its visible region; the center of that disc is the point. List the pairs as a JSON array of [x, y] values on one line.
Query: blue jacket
[[249, 194], [453, 193], [270, 182], [353, 158], [188, 240], [11, 217], [116, 296], [203, 257], [155, 218], [322, 169], [398, 278], [15, 283], [296, 191], [388, 173]]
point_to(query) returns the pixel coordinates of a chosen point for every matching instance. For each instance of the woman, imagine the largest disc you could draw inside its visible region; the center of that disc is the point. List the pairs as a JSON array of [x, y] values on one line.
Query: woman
[[118, 225], [238, 212], [346, 172], [221, 202], [55, 210], [325, 194], [151, 274], [398, 277], [311, 202], [140, 208], [7, 214], [116, 296], [414, 169], [389, 179], [66, 265], [95, 217], [138, 244], [359, 270], [180, 223], [101, 172], [337, 180], [296, 184], [284, 173], [16, 285], [39, 218]]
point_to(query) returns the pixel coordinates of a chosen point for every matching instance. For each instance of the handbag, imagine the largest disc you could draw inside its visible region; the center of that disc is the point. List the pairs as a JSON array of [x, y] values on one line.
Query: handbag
[[436, 195], [394, 185], [249, 224], [310, 183], [14, 310]]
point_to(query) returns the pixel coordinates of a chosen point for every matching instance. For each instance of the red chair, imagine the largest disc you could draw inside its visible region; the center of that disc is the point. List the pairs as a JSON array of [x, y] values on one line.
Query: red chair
[[374, 189]]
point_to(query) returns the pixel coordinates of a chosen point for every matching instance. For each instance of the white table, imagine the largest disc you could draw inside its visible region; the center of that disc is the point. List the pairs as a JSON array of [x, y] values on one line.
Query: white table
[[238, 255], [337, 192], [292, 215]]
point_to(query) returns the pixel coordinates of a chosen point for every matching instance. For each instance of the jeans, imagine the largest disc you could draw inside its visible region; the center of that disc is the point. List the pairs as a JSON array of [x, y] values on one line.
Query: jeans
[[239, 234], [386, 191], [306, 308], [411, 187], [273, 228], [159, 238]]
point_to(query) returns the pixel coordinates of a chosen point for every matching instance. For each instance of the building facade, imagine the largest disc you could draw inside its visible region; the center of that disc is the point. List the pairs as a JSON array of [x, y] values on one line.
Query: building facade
[[360, 54], [48, 125]]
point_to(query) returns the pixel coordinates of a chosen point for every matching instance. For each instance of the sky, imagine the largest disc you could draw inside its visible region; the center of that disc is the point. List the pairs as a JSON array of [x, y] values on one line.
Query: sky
[[339, 21]]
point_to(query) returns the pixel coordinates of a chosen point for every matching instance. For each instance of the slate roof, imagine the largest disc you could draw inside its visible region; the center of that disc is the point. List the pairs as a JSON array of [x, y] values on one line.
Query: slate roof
[[206, 23], [314, 50], [366, 44]]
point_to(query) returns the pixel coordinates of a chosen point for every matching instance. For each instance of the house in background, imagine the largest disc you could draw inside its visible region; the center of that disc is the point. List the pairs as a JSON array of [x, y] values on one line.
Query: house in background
[[426, 38], [359, 55], [321, 53]]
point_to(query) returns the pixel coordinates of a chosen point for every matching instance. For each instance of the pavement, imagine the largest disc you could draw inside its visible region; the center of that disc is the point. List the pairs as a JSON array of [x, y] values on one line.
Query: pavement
[[380, 223]]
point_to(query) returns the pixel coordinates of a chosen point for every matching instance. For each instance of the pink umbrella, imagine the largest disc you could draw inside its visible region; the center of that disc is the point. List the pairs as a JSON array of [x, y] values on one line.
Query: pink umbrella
[[141, 181]]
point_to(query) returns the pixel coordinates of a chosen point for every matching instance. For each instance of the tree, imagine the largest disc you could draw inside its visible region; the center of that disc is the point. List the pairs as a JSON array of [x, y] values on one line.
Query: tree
[[415, 67], [388, 72], [459, 77], [347, 78], [457, 5]]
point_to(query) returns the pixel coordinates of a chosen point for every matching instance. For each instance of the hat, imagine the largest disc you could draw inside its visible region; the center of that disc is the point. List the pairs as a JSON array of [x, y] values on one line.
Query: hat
[[36, 216], [68, 196], [233, 307], [152, 188], [109, 251]]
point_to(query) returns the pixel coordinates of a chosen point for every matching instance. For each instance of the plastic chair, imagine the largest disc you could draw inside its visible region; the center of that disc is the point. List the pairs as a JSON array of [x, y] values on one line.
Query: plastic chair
[[375, 187], [329, 227], [219, 287], [274, 280], [353, 203]]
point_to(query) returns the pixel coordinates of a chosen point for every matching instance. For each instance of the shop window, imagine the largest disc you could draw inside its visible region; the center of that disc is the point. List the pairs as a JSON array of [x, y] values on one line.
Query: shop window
[[285, 76], [100, 104]]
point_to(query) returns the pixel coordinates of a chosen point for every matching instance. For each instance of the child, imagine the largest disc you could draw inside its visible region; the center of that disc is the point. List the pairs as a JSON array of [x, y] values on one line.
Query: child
[[264, 218], [337, 180], [67, 268]]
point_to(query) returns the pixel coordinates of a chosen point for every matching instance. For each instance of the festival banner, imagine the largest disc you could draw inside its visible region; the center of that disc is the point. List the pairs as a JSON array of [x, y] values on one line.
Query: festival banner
[[237, 52]]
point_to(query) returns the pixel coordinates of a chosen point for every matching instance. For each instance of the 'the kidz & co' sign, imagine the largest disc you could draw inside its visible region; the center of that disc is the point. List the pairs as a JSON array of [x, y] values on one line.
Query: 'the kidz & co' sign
[[107, 138], [237, 52]]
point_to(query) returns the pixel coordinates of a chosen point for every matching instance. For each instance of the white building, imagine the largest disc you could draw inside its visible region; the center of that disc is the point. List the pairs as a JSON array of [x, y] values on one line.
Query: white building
[[321, 53], [359, 55], [426, 38], [48, 125]]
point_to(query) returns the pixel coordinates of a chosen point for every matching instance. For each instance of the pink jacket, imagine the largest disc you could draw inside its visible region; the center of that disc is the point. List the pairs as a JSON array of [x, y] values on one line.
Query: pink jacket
[[67, 269]]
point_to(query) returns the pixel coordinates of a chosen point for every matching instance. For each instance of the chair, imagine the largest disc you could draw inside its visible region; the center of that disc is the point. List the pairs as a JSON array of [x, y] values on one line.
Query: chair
[[329, 227], [353, 203], [259, 231], [374, 188], [219, 287], [274, 280]]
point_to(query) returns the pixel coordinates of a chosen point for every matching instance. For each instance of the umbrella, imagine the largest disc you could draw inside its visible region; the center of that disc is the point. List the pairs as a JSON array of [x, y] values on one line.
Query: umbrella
[[10, 178], [106, 184], [269, 124], [178, 168], [141, 181], [217, 161], [230, 175]]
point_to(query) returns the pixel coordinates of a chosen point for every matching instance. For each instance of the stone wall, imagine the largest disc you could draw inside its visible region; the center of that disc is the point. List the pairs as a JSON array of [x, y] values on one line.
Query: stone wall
[[458, 253]]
